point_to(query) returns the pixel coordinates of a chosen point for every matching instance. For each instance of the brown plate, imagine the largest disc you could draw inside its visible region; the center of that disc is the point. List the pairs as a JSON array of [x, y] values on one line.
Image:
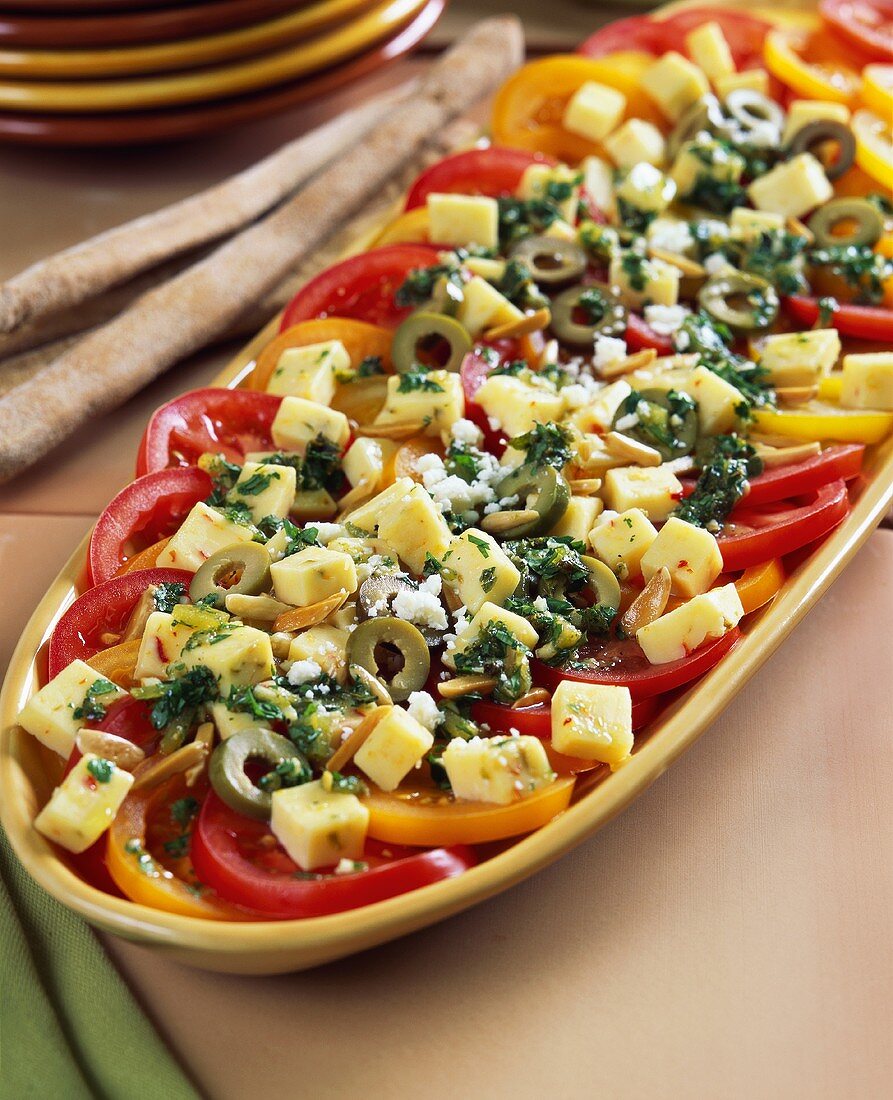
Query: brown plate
[[132, 28], [88, 5], [145, 127]]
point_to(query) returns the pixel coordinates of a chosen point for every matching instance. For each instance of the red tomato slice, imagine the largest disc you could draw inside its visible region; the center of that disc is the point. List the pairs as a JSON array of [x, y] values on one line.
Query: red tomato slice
[[638, 32], [102, 610], [865, 322], [232, 854], [834, 463], [473, 372], [639, 335], [537, 721], [362, 287], [228, 422], [867, 24], [493, 171], [146, 511], [622, 662], [754, 535]]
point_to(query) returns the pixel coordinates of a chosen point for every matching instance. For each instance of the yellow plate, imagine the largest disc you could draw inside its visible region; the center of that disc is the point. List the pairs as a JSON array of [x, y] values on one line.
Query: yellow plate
[[189, 53], [216, 83]]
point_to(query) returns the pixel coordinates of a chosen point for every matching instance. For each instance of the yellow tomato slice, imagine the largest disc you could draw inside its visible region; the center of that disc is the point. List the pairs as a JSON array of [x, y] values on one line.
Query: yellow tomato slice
[[756, 586], [410, 227], [117, 663], [877, 89], [429, 818], [818, 420], [359, 338], [817, 79], [874, 146]]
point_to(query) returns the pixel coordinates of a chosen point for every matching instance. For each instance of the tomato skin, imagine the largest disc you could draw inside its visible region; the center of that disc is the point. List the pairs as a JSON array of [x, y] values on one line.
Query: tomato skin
[[216, 420], [866, 24], [361, 287], [640, 335], [103, 608], [494, 171], [833, 464], [864, 322], [221, 863], [151, 507]]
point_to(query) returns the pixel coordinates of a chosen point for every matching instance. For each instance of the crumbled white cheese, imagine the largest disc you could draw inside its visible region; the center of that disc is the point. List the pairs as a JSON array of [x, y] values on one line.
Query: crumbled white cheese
[[325, 532], [423, 708], [452, 493], [670, 234], [665, 320], [582, 391], [466, 431], [608, 350], [302, 672], [421, 607], [716, 264]]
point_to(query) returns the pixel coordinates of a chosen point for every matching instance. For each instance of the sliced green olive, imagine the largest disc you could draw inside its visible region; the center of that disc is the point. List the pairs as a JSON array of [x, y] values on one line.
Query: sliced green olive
[[581, 313], [866, 220], [745, 303], [755, 113], [227, 769], [824, 130], [704, 114], [244, 568], [386, 631], [543, 491], [420, 338], [667, 421], [550, 261], [602, 582]]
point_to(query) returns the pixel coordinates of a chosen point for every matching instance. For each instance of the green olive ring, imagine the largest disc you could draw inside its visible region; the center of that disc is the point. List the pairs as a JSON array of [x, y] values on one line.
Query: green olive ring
[[717, 294], [404, 637], [565, 304], [248, 561], [421, 327], [661, 408], [704, 114], [602, 582], [545, 492], [754, 112], [227, 769], [817, 133], [867, 230], [551, 262]]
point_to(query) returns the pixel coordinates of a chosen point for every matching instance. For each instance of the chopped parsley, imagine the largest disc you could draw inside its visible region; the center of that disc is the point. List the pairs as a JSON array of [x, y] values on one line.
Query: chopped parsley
[[519, 218], [545, 445], [92, 709], [498, 653], [321, 467], [179, 698], [488, 578], [419, 285], [243, 700], [633, 265], [259, 481], [482, 546], [167, 595], [711, 339], [291, 772], [418, 381], [725, 468], [183, 810], [101, 770], [347, 784], [859, 266], [370, 365]]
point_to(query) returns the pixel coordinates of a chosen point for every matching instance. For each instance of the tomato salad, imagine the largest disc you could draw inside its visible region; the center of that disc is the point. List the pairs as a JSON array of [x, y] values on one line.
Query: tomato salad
[[502, 486]]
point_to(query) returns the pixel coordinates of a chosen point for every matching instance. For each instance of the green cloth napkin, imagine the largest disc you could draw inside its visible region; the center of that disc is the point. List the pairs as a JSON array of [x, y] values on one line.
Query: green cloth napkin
[[69, 1027]]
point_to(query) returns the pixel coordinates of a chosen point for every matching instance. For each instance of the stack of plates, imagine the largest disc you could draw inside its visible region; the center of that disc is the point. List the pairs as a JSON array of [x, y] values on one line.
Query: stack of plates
[[99, 73]]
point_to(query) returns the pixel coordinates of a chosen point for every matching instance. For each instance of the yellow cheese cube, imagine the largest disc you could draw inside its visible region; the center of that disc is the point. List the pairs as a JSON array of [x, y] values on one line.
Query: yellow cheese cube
[[803, 111], [483, 307], [579, 518], [792, 188], [516, 406], [867, 381], [800, 358], [710, 51], [621, 540], [298, 422], [598, 180], [673, 83], [311, 372], [592, 722], [594, 110], [501, 770], [680, 632], [745, 222], [647, 189], [636, 142], [201, 534], [753, 80], [718, 401], [536, 184], [49, 713], [463, 220], [690, 553], [487, 613], [366, 517], [326, 645], [162, 643], [266, 489], [639, 280], [312, 575], [313, 504], [366, 458], [704, 157], [598, 414], [490, 269], [230, 722], [83, 806], [319, 828], [481, 568], [415, 527], [654, 489], [437, 408], [235, 655], [393, 748]]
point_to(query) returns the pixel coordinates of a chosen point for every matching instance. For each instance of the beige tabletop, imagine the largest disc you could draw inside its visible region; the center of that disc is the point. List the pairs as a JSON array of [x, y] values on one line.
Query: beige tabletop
[[728, 936]]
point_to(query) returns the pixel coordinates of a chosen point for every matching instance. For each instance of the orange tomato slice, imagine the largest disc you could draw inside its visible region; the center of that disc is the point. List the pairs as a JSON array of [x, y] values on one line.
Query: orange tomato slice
[[359, 338], [410, 227], [145, 559], [757, 585], [408, 454], [826, 75], [117, 662]]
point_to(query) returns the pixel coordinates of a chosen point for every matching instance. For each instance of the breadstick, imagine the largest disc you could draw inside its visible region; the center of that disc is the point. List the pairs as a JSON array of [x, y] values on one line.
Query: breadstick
[[184, 314]]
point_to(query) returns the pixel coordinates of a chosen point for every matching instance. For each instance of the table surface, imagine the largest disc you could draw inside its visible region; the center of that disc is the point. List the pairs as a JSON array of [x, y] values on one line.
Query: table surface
[[727, 935]]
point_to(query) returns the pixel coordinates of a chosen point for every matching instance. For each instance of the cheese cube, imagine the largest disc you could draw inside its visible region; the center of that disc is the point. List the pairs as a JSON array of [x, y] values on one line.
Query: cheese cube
[[800, 358], [393, 748], [704, 157], [319, 828], [463, 220], [200, 536], [594, 110], [299, 421], [718, 401], [598, 413], [482, 569], [516, 406], [792, 188], [745, 223], [490, 269], [541, 180], [313, 504], [162, 643], [49, 713], [312, 575], [83, 806], [621, 541], [366, 517], [230, 722], [592, 722], [267, 489], [437, 408], [680, 632], [647, 189], [415, 527], [636, 142], [326, 645], [487, 613], [803, 111], [867, 381], [500, 770], [236, 655], [690, 553], [754, 80], [710, 51], [598, 181], [484, 307], [654, 489], [579, 518], [311, 372], [673, 83], [366, 458], [639, 280]]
